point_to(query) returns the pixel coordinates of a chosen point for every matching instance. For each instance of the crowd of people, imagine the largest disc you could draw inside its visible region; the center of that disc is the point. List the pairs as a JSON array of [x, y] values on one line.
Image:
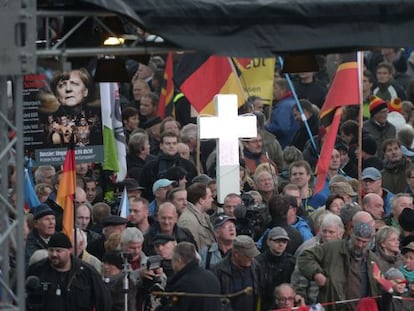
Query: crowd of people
[[276, 244]]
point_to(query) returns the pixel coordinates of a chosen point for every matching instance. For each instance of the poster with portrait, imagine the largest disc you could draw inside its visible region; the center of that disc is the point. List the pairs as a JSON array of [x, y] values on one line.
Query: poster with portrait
[[57, 105]]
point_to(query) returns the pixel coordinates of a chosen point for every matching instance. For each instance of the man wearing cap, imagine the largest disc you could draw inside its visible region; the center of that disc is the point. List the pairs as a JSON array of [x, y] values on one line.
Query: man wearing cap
[[342, 269], [372, 183], [238, 271], [132, 187], [344, 189], [395, 165], [167, 158], [164, 245], [377, 126], [43, 229], [68, 283], [110, 224], [195, 216], [159, 190], [225, 232], [190, 278], [275, 265]]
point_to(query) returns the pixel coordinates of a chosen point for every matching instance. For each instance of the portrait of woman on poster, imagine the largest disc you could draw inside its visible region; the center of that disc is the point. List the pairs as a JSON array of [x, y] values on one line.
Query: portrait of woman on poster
[[71, 90]]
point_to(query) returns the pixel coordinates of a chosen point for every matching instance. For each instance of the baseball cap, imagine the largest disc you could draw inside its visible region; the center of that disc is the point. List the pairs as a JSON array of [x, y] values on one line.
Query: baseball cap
[[343, 188], [407, 248], [161, 183], [221, 219], [371, 173], [277, 233], [245, 245]]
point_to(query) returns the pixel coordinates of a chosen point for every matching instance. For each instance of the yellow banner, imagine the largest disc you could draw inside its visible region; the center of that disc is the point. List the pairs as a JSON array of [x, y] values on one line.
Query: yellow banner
[[257, 78]]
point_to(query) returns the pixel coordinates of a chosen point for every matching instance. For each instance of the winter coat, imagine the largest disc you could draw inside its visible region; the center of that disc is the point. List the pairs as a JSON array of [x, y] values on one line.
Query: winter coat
[[379, 133], [332, 260], [193, 279], [81, 288], [198, 224], [393, 175]]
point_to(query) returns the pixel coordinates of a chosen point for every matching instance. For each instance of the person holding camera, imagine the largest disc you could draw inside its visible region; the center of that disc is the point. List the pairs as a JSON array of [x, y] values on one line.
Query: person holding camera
[[149, 270]]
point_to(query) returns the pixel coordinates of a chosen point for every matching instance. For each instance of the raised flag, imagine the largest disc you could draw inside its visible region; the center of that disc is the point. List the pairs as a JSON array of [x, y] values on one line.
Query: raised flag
[[201, 77], [30, 198], [166, 105], [113, 131], [66, 191], [124, 205], [344, 91]]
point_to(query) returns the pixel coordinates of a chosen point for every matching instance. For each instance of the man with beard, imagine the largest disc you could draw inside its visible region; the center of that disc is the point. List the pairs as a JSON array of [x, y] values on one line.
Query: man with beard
[[342, 269], [68, 283]]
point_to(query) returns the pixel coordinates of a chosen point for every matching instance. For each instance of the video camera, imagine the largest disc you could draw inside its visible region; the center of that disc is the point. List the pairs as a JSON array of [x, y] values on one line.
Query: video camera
[[250, 217]]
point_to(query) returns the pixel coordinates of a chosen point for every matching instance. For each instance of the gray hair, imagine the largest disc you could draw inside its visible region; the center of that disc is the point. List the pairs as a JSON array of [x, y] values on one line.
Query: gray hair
[[131, 235], [383, 233], [333, 220]]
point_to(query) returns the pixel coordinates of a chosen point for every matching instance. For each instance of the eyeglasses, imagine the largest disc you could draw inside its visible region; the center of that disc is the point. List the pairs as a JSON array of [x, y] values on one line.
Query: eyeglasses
[[285, 299]]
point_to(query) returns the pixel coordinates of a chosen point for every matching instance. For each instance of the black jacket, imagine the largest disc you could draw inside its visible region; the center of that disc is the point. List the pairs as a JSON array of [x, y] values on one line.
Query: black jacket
[[180, 234], [273, 271], [193, 279], [81, 288], [224, 273]]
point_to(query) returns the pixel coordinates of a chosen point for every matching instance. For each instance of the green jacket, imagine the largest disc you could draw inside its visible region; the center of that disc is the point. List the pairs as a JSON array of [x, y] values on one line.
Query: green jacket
[[332, 260]]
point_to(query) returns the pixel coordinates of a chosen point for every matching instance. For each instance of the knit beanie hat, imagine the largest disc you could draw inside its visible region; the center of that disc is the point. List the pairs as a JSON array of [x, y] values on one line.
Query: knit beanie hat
[[394, 274], [406, 219], [395, 105], [376, 104], [363, 230], [42, 210], [60, 240]]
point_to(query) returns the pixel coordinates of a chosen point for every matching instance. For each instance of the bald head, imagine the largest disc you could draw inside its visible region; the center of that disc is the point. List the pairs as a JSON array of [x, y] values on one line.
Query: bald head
[[80, 196], [374, 205], [363, 216]]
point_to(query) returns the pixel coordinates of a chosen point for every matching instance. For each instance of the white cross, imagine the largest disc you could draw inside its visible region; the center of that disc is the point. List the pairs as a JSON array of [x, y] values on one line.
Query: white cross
[[227, 128]]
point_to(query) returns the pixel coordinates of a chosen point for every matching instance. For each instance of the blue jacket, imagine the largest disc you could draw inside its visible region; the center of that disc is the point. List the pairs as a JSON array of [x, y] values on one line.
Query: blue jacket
[[303, 227], [282, 122]]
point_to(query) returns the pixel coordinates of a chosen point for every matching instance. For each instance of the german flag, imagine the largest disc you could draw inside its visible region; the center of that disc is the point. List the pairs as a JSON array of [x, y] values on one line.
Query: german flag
[[67, 188], [344, 91], [201, 77], [166, 106]]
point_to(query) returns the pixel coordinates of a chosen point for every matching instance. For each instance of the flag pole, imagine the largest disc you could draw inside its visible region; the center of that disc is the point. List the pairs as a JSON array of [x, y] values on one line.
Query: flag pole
[[360, 60]]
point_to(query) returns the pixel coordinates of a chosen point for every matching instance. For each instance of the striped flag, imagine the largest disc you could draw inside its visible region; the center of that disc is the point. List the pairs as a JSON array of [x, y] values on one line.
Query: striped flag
[[201, 77], [30, 198], [166, 105], [344, 91], [124, 205], [113, 131], [67, 187]]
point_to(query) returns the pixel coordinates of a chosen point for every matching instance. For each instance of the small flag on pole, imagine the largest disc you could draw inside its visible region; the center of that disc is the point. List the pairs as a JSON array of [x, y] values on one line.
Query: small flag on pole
[[124, 205], [30, 198]]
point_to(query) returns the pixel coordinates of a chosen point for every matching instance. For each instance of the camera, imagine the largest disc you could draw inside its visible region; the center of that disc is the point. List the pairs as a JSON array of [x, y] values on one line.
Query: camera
[[154, 262], [250, 217]]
